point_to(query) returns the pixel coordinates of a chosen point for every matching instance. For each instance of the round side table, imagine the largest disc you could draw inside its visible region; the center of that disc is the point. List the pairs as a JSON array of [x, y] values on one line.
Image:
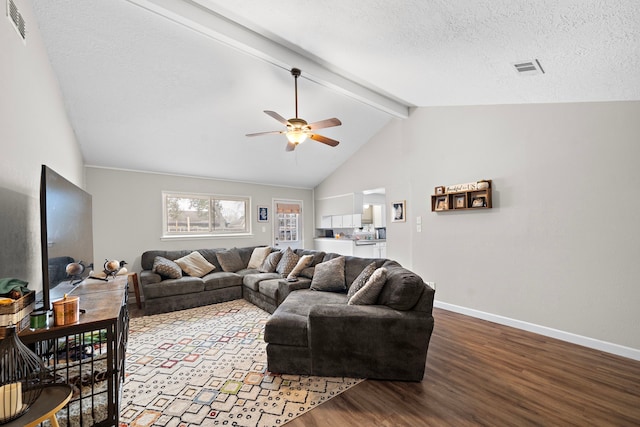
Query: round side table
[[51, 400]]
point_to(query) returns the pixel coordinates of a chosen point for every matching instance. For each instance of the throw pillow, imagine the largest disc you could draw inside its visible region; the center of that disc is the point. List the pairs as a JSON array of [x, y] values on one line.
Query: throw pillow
[[195, 264], [230, 260], [166, 268], [307, 272], [258, 256], [287, 263], [329, 276], [402, 290], [303, 262], [271, 262], [361, 279], [368, 294]]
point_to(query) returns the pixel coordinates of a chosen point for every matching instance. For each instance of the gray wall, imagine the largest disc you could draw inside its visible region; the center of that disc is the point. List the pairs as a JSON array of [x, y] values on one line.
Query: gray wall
[[34, 130], [127, 212], [559, 250]]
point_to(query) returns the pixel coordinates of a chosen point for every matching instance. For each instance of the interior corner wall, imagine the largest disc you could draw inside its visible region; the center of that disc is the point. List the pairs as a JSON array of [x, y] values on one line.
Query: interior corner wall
[[560, 247], [34, 130], [127, 212]]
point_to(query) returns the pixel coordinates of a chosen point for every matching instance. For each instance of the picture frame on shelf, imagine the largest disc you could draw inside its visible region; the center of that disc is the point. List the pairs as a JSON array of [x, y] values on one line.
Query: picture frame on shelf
[[439, 190], [479, 202], [398, 211], [460, 201], [441, 203], [263, 214]]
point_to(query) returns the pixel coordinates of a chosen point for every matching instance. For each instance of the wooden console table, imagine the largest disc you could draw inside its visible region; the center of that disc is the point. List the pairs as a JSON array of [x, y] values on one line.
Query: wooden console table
[[90, 352]]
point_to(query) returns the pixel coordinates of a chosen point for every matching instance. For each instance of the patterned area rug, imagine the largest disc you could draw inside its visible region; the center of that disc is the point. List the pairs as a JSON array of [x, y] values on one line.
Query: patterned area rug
[[206, 366]]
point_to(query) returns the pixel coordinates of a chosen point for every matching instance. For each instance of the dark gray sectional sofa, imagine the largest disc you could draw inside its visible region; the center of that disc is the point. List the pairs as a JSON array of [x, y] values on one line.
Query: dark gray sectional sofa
[[312, 332]]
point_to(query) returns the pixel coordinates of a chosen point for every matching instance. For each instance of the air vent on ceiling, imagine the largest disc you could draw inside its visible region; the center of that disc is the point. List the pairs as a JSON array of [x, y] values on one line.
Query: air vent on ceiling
[[528, 68], [16, 19]]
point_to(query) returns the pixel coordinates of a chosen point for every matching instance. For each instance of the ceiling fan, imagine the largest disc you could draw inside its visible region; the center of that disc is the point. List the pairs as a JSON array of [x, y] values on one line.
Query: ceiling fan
[[298, 129]]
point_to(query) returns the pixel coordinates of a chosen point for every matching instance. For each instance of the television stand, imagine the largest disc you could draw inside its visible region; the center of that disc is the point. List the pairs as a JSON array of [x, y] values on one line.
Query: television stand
[[89, 354]]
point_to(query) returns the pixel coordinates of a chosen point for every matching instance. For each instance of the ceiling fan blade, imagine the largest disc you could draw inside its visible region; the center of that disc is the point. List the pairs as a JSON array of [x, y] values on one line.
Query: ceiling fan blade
[[325, 124], [273, 132], [290, 146], [324, 139], [278, 117]]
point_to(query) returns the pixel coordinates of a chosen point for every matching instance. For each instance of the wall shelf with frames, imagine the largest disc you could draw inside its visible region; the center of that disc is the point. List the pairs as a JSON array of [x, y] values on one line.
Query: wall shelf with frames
[[470, 196]]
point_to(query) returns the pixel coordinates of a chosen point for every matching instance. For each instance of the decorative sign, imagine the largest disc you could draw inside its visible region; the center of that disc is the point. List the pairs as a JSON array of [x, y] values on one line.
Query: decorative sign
[[471, 186]]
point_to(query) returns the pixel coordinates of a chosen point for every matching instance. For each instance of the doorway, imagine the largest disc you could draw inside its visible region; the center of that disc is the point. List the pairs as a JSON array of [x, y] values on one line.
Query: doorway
[[287, 224]]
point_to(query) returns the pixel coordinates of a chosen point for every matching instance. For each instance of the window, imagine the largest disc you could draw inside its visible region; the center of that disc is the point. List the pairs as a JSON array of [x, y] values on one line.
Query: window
[[204, 215]]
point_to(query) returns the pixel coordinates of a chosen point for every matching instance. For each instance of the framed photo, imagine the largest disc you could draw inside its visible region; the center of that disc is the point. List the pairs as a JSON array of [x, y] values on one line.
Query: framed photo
[[479, 202], [398, 210], [439, 190], [460, 201], [442, 203], [263, 214]]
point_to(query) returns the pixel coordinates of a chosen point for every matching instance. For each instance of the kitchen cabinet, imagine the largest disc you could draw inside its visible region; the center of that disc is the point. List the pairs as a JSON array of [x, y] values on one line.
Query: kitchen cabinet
[[325, 221], [365, 251], [357, 220], [336, 221], [352, 221], [337, 246]]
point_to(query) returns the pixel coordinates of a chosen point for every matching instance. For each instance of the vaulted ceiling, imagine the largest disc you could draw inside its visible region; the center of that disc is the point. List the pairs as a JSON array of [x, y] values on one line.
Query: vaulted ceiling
[[173, 86]]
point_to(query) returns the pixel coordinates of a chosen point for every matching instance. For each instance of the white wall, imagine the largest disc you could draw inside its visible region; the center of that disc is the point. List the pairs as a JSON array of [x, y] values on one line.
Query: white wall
[[127, 212], [34, 130], [560, 247]]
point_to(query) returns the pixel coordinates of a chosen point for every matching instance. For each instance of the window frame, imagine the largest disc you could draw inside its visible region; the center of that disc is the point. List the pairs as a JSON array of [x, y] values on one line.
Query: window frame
[[166, 234]]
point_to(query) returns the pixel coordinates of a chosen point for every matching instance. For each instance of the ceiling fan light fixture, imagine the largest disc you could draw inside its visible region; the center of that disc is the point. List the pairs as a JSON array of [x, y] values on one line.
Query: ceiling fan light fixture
[[296, 136]]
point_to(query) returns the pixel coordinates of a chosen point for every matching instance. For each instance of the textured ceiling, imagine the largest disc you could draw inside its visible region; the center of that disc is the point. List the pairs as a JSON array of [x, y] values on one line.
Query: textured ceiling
[[167, 98]]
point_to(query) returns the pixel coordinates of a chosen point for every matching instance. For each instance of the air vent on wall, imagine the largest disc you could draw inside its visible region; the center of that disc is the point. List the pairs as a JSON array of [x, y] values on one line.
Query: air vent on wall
[[528, 68], [16, 19]]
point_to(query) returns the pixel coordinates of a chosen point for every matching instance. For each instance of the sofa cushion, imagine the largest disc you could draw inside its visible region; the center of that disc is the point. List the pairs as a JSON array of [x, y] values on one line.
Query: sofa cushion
[[258, 256], [353, 265], [230, 260], [166, 268], [303, 262], [287, 262], [368, 294], [329, 276], [361, 279], [402, 289], [195, 264], [269, 288], [307, 272], [221, 279], [252, 281], [318, 256], [173, 287], [271, 262], [288, 324]]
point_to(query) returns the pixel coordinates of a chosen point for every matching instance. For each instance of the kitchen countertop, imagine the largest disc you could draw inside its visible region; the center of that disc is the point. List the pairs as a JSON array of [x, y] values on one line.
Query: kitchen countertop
[[356, 241]]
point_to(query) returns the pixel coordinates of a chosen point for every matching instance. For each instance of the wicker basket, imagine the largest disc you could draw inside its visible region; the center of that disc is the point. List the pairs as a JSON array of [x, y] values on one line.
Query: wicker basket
[[17, 311]]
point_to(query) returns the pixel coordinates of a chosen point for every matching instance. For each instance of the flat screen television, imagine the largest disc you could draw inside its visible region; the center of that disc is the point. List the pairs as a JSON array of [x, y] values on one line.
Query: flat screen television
[[66, 227]]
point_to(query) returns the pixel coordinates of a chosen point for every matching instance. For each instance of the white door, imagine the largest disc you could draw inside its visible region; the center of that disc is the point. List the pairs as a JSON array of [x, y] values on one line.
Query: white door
[[287, 224]]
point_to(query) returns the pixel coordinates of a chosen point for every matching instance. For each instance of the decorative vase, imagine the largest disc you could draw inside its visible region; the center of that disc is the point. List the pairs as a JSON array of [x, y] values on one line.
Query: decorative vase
[[22, 376]]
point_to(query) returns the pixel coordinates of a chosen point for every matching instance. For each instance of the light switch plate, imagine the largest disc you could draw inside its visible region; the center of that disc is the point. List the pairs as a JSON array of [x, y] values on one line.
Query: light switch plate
[[418, 220]]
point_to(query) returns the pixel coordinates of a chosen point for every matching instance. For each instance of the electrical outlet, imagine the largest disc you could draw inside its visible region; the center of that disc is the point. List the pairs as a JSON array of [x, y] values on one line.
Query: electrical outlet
[[432, 285], [419, 228]]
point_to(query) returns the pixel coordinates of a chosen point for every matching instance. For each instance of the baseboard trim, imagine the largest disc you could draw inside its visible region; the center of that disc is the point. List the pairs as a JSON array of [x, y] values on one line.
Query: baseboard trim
[[607, 347]]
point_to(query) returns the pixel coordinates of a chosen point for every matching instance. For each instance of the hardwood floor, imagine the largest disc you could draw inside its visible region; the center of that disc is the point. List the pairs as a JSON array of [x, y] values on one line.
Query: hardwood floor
[[482, 373]]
